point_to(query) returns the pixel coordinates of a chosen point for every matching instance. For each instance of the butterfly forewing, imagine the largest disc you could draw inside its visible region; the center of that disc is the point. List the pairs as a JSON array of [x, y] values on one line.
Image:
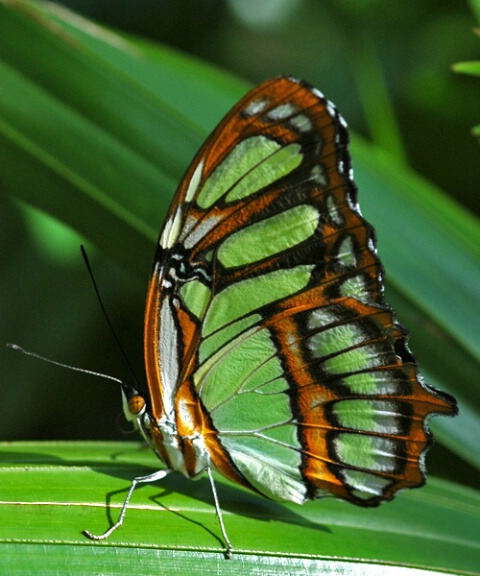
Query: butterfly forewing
[[270, 352]]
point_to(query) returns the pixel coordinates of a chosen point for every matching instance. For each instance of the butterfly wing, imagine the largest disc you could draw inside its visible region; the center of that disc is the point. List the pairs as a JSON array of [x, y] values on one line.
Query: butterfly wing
[[269, 349]]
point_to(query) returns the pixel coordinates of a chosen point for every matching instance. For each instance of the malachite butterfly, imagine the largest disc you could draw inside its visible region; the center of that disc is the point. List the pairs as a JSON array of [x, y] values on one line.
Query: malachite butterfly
[[271, 355]]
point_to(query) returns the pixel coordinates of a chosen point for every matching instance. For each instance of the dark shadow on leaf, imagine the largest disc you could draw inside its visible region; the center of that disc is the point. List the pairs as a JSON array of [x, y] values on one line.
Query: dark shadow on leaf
[[232, 499]]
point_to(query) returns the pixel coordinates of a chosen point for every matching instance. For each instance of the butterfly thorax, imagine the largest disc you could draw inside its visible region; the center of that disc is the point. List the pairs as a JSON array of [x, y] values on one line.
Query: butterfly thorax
[[177, 441], [185, 453]]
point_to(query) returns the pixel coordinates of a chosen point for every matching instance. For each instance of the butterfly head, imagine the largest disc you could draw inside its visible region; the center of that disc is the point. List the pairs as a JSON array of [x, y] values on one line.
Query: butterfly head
[[134, 404]]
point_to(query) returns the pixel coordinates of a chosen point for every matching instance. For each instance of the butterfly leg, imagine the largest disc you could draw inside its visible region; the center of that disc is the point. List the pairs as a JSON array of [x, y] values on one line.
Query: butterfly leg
[[158, 475], [219, 514]]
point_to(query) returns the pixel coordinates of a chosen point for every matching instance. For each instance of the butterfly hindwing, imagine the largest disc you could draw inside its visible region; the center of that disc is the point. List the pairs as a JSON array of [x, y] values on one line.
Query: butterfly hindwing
[[270, 352]]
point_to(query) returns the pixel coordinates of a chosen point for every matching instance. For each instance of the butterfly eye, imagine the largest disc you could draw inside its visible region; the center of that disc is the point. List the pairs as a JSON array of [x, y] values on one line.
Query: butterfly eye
[[136, 405]]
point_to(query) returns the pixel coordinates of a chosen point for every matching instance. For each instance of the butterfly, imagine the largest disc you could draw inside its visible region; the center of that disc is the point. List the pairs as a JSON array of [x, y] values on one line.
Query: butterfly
[[270, 353]]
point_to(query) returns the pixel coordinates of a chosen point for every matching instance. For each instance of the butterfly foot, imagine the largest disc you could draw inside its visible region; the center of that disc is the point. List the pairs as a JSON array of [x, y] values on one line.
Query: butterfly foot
[[98, 537]]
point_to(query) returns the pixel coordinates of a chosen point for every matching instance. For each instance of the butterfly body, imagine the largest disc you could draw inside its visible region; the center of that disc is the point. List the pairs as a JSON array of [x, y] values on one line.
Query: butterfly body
[[270, 353]]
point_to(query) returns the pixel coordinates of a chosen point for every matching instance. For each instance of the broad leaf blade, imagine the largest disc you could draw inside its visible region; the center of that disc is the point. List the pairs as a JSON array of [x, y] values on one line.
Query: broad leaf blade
[[52, 491], [95, 129], [85, 135], [472, 68]]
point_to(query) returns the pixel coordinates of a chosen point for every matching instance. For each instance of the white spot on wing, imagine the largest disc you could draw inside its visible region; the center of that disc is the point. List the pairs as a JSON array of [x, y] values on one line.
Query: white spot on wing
[[302, 123], [321, 317], [346, 256], [167, 346], [171, 230], [353, 205], [255, 107], [335, 216], [194, 182], [383, 458], [355, 287], [281, 112], [331, 108], [200, 230], [364, 484], [318, 175]]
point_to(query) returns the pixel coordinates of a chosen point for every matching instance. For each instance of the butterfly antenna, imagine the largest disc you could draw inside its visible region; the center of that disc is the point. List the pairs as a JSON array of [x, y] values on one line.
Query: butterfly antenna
[[62, 365], [105, 315]]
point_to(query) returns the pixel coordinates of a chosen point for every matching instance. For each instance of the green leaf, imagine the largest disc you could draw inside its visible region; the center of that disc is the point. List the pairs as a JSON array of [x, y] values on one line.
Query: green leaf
[[377, 106], [51, 492], [472, 68], [475, 8], [80, 119]]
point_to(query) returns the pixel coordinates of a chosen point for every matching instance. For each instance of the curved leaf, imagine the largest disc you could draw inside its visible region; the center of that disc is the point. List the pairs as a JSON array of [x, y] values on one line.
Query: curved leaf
[[95, 129], [52, 491]]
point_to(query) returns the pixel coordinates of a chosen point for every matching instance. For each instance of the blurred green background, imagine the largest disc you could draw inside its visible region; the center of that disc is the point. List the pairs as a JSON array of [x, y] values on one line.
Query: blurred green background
[[346, 48], [385, 64]]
